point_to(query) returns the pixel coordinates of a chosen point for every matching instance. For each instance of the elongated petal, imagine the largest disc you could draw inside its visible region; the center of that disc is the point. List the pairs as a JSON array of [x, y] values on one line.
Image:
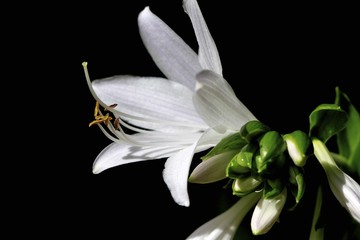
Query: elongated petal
[[267, 212], [217, 104], [150, 97], [116, 154], [223, 226], [155, 145], [212, 169], [176, 174], [345, 188], [177, 167], [171, 54], [208, 53]]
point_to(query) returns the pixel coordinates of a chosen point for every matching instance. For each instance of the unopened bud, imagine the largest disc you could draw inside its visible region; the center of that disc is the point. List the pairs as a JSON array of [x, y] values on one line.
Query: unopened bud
[[242, 186], [252, 130], [299, 146], [271, 145]]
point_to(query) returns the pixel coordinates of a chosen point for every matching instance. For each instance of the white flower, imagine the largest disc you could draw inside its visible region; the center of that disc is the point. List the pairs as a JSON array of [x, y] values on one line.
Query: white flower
[[224, 226], [345, 188], [189, 111]]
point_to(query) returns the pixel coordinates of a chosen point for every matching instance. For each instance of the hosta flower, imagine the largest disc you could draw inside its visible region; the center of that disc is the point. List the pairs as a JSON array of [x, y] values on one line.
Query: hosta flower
[[189, 111]]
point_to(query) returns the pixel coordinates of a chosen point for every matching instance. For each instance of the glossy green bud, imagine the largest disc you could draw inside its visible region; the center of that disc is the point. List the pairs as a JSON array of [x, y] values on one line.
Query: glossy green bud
[[247, 154], [271, 145], [235, 170], [252, 130], [271, 167], [299, 147]]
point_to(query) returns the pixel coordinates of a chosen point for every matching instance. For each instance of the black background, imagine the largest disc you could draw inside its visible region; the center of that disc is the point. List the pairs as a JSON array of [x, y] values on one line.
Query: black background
[[281, 59]]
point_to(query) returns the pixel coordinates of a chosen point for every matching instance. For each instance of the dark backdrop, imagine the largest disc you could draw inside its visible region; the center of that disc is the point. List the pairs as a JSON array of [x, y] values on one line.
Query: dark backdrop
[[282, 61]]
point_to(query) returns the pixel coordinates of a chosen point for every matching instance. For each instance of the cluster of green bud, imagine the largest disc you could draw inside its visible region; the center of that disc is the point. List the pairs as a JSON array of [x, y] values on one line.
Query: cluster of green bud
[[270, 161]]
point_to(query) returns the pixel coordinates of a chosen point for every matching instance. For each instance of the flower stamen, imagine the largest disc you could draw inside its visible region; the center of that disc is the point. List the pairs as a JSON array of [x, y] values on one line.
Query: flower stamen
[[99, 117]]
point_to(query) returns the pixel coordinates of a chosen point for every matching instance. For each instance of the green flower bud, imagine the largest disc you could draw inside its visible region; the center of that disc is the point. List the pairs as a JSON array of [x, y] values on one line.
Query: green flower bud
[[271, 167], [246, 155], [299, 146], [253, 129], [271, 145], [235, 170], [243, 186]]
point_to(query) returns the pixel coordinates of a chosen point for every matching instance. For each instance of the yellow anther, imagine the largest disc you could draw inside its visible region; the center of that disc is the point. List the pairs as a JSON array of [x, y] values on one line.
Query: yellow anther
[[99, 118]]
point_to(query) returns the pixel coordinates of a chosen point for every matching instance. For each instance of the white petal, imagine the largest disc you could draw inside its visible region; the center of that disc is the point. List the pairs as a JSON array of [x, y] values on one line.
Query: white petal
[[208, 53], [116, 154], [224, 226], [156, 145], [217, 104], [177, 167], [171, 54], [212, 169], [176, 174], [344, 188], [267, 212], [150, 97], [211, 138]]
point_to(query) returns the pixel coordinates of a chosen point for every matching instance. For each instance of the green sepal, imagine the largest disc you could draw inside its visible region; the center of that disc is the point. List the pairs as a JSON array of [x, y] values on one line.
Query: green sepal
[[297, 182], [231, 142], [252, 130], [273, 187], [326, 121], [299, 147]]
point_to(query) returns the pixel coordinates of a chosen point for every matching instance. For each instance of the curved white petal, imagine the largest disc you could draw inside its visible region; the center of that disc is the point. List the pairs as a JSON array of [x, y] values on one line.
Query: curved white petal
[[224, 226], [267, 212], [149, 97], [171, 54], [212, 169], [208, 53], [177, 167], [344, 188], [176, 173], [216, 102], [116, 154]]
